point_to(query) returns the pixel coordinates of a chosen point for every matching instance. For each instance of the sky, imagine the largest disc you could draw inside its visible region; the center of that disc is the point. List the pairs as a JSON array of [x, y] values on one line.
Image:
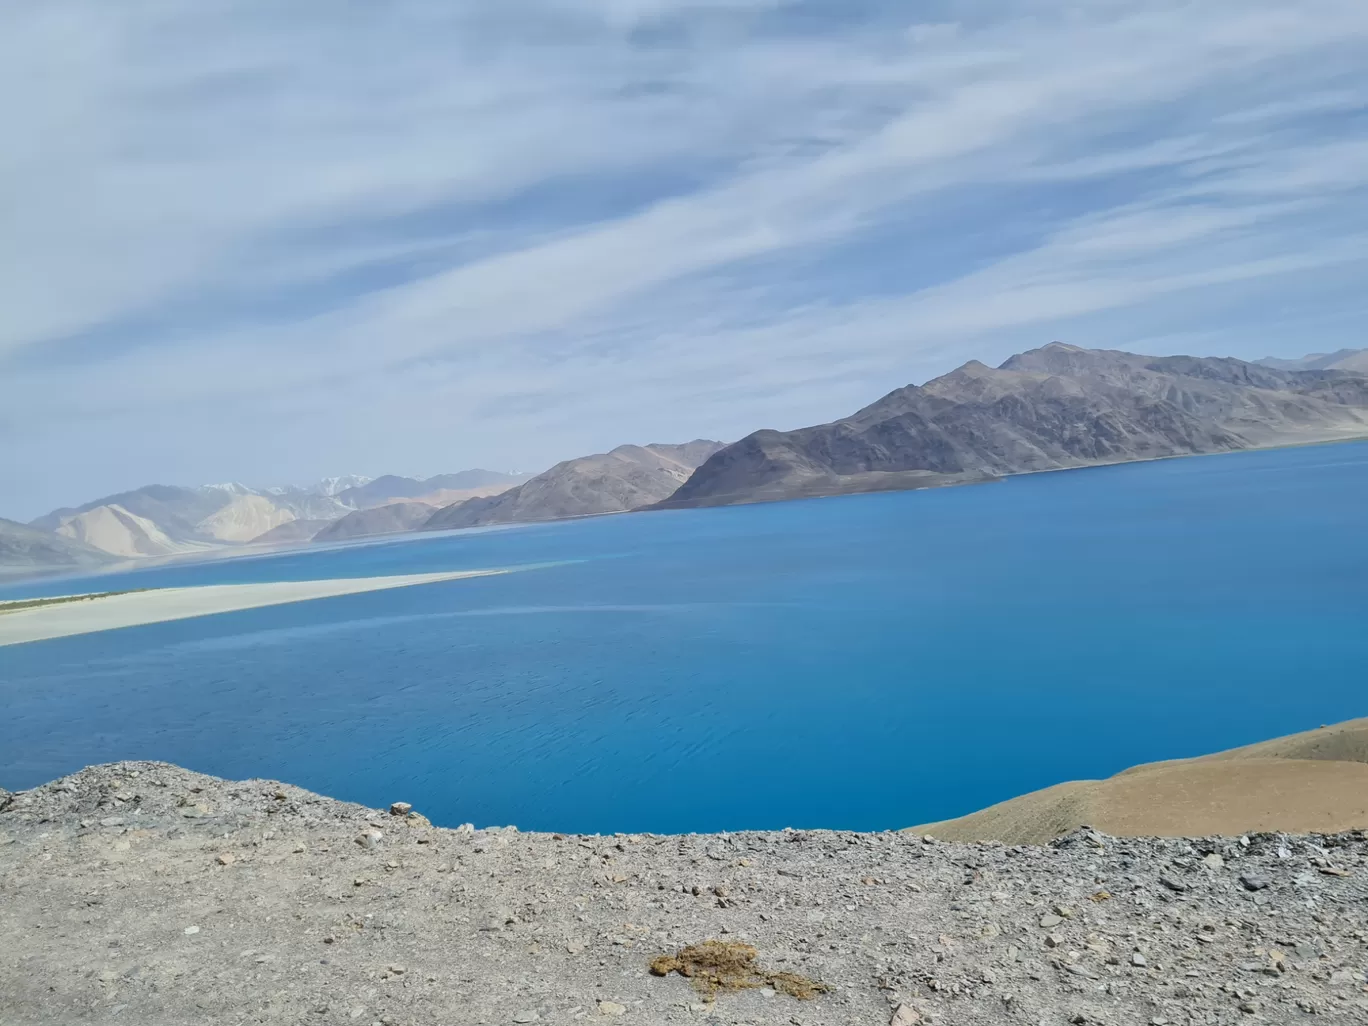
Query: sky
[[246, 240]]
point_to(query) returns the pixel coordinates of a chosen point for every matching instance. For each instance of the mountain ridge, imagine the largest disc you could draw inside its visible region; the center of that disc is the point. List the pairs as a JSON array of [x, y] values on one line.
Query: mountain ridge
[[1056, 407]]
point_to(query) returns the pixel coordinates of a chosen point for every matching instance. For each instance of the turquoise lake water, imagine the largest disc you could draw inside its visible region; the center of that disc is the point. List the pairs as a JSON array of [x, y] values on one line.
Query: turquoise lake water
[[863, 662]]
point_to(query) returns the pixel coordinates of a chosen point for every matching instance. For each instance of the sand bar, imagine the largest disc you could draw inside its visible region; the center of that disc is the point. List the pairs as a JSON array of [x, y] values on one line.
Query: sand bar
[[131, 609]]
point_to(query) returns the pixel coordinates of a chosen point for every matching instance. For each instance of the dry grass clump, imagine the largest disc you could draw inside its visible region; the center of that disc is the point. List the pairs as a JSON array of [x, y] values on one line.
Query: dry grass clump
[[714, 966]]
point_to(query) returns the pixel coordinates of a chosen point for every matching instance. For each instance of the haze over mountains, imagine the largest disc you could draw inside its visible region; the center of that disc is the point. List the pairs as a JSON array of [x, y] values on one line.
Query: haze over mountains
[[1051, 408]]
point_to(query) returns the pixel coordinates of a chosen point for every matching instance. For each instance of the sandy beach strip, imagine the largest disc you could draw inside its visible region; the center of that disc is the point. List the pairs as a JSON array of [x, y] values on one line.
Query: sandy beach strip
[[134, 608]]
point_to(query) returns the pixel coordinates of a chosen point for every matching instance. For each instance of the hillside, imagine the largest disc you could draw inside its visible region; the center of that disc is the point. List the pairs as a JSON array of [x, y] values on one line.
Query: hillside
[[1051, 408], [1313, 781], [1343, 359], [390, 488], [291, 532], [395, 518], [25, 549], [628, 477], [144, 893], [119, 532]]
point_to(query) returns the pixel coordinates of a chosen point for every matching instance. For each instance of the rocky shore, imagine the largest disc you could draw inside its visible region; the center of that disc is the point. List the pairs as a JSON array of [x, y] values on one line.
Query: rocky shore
[[143, 893]]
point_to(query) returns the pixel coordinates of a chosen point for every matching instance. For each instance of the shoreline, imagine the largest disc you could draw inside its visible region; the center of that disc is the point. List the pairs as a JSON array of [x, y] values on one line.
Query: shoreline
[[70, 615]]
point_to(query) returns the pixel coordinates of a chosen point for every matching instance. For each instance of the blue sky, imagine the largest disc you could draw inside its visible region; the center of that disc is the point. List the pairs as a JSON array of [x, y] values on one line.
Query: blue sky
[[268, 242]]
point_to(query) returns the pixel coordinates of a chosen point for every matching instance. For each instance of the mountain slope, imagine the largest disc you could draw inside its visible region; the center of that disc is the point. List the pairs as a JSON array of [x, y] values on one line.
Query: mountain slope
[[118, 531], [293, 531], [176, 511], [391, 488], [1343, 359], [628, 477], [246, 517], [1055, 407], [25, 549], [394, 518], [1317, 780]]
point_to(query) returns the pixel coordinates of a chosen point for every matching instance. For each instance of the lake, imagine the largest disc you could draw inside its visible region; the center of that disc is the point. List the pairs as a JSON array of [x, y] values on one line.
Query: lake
[[861, 662]]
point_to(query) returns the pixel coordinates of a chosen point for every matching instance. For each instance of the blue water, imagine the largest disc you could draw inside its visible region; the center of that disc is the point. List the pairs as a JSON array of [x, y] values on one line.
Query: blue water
[[864, 662]]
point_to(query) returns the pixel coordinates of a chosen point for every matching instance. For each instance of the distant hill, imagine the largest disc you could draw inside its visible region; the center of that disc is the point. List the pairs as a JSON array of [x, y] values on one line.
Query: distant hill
[[628, 477], [291, 532], [394, 518], [1343, 359], [390, 488], [1313, 781], [176, 511], [114, 529], [1054, 407], [25, 549]]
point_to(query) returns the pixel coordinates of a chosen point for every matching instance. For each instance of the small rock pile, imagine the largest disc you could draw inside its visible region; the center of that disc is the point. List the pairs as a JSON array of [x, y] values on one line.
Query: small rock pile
[[143, 893]]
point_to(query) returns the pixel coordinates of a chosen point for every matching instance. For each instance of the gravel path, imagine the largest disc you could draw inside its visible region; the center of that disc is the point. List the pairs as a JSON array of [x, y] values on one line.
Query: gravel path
[[142, 893]]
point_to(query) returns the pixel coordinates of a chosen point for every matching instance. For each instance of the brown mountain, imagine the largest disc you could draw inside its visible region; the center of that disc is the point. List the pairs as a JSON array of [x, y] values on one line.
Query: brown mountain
[[25, 549], [395, 518], [1055, 407], [628, 477]]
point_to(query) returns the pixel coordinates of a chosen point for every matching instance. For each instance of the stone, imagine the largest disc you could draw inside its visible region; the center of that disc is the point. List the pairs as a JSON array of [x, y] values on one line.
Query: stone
[[225, 859], [1048, 921], [1053, 940], [1173, 884], [112, 821], [190, 931], [611, 1008], [1254, 881], [1137, 959], [1213, 861], [369, 838], [905, 1015], [400, 809], [526, 1017]]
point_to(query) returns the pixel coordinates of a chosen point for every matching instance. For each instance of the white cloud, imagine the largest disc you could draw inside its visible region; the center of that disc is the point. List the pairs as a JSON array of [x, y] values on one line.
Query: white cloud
[[549, 225]]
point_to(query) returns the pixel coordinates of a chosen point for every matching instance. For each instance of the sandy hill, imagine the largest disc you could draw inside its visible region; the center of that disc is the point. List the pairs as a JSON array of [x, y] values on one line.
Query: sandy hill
[[1054, 407], [625, 478], [244, 518], [1315, 781], [118, 531], [25, 549]]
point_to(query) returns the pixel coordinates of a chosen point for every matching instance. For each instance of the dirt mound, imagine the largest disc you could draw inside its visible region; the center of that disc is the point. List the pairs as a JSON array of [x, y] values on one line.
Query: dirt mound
[[1309, 782], [715, 966]]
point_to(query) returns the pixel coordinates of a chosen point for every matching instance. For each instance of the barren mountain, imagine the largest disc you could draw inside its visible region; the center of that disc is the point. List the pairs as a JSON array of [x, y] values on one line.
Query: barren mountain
[[175, 511], [24, 549], [1343, 359], [395, 518], [244, 518], [116, 530], [628, 477], [1055, 407], [291, 531], [389, 488]]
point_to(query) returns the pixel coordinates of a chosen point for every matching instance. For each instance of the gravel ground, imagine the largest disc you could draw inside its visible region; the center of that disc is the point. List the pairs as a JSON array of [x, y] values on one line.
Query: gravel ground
[[143, 893]]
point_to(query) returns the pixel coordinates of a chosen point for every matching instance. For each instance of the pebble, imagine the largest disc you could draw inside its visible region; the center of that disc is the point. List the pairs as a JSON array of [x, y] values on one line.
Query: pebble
[[112, 821], [225, 859], [370, 838], [190, 931], [1048, 921], [400, 809], [526, 1017], [905, 1015], [1173, 884], [1138, 959], [611, 1008], [1254, 882]]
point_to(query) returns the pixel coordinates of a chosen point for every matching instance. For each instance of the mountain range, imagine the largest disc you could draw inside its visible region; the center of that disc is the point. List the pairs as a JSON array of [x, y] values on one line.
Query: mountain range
[[1051, 408], [1342, 359], [1056, 407]]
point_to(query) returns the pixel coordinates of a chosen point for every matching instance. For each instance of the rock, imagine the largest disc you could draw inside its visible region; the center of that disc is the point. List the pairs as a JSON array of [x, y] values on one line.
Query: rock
[[466, 828], [1048, 921], [1213, 861], [526, 1017], [1173, 884], [611, 1008], [225, 859], [905, 1015], [369, 838], [1254, 881], [1137, 959], [112, 821], [1053, 940], [400, 809], [190, 931]]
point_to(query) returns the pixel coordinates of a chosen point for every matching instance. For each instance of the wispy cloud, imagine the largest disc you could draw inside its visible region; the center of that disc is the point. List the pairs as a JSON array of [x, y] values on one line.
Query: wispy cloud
[[265, 241]]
